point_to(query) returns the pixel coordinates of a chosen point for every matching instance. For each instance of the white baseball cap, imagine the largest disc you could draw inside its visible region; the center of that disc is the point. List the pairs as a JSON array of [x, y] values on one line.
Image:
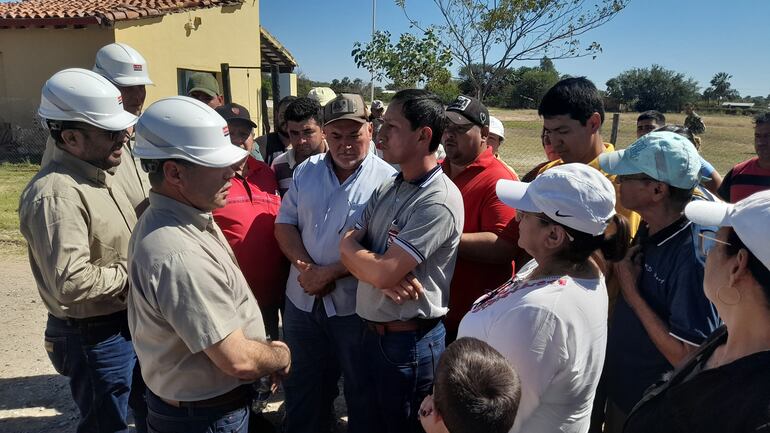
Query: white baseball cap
[[322, 94], [575, 195], [496, 127], [185, 128], [747, 217]]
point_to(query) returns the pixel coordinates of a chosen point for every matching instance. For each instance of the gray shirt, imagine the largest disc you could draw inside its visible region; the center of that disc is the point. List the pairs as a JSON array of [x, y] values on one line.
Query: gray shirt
[[425, 219], [323, 210], [186, 294]]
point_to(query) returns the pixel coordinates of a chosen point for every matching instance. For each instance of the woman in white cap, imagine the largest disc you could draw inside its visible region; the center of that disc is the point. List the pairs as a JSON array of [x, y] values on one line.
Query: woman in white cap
[[725, 386], [550, 320]]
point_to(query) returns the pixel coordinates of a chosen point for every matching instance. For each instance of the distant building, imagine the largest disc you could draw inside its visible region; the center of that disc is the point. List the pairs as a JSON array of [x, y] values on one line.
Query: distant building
[[737, 105]]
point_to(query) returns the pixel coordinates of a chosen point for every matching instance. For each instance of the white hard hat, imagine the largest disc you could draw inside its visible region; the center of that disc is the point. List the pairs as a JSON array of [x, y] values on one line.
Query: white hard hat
[[496, 127], [122, 65], [80, 95], [180, 127]]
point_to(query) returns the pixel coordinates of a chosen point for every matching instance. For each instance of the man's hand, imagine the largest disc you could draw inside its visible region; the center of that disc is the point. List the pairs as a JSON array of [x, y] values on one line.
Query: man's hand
[[406, 289], [628, 271], [315, 279]]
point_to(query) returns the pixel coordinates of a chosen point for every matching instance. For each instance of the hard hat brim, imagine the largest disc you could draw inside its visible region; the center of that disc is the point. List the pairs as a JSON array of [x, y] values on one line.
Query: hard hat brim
[[132, 81], [118, 122]]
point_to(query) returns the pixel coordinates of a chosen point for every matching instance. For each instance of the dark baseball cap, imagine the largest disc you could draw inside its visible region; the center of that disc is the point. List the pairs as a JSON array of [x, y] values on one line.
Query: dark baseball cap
[[233, 111], [346, 106], [467, 109]]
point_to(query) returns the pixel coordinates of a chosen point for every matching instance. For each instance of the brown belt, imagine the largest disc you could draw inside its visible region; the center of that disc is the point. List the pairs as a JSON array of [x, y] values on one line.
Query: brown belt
[[237, 396], [411, 325]]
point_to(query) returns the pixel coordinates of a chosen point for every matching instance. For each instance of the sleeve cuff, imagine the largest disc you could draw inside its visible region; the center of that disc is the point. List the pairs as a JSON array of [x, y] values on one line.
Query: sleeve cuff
[[409, 248]]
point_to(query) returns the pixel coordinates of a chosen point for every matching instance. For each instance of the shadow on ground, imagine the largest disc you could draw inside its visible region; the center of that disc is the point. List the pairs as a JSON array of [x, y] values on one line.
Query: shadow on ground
[[36, 404]]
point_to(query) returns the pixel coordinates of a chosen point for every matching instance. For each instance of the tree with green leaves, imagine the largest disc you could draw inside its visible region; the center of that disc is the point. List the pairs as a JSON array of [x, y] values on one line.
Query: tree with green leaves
[[721, 88], [408, 63], [497, 33], [654, 88]]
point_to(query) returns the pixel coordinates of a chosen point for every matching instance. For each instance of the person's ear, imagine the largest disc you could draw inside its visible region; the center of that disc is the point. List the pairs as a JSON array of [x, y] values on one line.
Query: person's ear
[[425, 137], [556, 236], [173, 173], [595, 122], [484, 134], [740, 268]]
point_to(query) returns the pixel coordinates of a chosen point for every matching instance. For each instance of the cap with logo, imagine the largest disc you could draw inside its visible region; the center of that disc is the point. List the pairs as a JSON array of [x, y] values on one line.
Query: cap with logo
[[747, 217], [122, 65], [349, 106], [321, 94], [575, 195], [496, 127], [180, 127], [80, 95], [662, 155], [233, 111], [203, 82], [466, 110]]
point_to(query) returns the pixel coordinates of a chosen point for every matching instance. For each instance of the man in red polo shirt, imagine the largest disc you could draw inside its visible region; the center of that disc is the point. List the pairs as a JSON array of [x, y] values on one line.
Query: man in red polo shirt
[[248, 221], [490, 235]]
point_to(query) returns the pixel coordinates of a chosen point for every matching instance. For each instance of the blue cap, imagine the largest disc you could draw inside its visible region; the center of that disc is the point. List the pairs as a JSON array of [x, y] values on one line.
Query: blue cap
[[664, 156]]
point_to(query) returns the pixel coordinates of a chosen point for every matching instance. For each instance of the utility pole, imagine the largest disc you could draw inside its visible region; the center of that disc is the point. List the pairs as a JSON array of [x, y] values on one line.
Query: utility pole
[[374, 9]]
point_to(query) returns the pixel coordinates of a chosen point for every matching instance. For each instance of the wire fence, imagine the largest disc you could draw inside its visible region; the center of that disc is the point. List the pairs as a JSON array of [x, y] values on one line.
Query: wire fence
[[21, 140]]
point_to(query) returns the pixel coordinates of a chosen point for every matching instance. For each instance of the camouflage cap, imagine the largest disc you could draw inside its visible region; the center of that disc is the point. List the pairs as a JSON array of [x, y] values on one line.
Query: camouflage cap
[[346, 106]]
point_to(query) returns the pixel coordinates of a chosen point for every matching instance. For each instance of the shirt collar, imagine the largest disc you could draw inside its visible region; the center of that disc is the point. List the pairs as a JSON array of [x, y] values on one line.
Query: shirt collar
[[482, 161], [186, 213], [90, 172], [423, 181], [665, 235], [329, 161]]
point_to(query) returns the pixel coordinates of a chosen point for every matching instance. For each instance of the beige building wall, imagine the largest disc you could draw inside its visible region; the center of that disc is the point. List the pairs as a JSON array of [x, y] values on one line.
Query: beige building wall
[[200, 40], [28, 57]]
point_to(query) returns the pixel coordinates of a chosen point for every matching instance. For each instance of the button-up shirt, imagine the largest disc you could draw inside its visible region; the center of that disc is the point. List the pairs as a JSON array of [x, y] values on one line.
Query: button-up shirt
[[77, 226], [187, 294], [322, 209]]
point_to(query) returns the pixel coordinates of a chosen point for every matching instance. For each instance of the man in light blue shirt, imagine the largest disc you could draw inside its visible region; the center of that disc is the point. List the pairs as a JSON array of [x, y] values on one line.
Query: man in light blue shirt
[[327, 194]]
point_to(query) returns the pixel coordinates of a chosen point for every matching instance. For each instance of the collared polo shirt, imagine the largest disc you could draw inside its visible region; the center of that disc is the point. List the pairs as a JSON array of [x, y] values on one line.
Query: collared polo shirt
[[77, 225], [671, 282], [322, 209], [484, 212], [129, 175], [248, 223], [425, 219], [283, 166], [187, 294]]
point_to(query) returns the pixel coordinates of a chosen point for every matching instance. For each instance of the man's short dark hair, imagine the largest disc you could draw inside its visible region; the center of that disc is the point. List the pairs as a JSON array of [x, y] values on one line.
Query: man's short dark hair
[[476, 388], [154, 169], [303, 109], [654, 115], [577, 97], [762, 118], [422, 108], [679, 197]]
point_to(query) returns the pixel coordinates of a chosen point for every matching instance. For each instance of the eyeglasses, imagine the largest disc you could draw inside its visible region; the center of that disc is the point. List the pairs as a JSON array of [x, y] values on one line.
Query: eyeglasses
[[625, 177], [543, 218], [113, 135], [708, 242]]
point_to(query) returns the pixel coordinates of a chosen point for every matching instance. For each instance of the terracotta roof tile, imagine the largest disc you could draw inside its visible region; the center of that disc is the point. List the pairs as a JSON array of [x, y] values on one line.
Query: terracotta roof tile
[[37, 13]]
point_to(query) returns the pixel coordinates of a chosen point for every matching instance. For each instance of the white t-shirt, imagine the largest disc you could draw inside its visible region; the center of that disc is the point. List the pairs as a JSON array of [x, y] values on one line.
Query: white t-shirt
[[553, 330]]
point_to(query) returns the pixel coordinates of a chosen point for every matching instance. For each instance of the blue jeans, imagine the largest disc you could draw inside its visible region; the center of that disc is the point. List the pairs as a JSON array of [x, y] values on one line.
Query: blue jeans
[[321, 347], [400, 366], [99, 360], [164, 418]]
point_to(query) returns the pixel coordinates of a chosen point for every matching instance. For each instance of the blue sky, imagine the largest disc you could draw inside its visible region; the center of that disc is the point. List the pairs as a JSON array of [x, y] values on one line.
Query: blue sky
[[696, 37]]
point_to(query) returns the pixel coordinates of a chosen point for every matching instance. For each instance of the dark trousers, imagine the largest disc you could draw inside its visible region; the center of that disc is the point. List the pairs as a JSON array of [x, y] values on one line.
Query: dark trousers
[[401, 366], [98, 358], [164, 418], [321, 348]]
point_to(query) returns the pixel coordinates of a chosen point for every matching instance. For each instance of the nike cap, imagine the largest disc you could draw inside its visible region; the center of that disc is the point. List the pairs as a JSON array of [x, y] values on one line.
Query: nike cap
[[575, 195]]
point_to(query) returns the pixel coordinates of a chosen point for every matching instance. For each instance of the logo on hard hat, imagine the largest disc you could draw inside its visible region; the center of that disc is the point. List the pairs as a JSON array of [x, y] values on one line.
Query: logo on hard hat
[[226, 131], [120, 100], [138, 68]]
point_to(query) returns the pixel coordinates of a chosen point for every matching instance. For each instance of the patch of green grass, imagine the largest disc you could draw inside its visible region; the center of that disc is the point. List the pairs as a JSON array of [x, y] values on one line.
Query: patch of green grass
[[727, 141], [13, 179]]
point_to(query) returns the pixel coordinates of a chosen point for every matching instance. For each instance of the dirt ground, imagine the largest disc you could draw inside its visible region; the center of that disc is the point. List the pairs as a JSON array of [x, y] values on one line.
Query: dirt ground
[[33, 397]]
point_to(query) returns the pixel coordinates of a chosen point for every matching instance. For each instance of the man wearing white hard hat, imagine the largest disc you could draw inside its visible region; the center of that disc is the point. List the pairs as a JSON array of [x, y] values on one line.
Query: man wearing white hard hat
[[663, 315], [77, 225], [550, 320], [125, 68], [199, 332]]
